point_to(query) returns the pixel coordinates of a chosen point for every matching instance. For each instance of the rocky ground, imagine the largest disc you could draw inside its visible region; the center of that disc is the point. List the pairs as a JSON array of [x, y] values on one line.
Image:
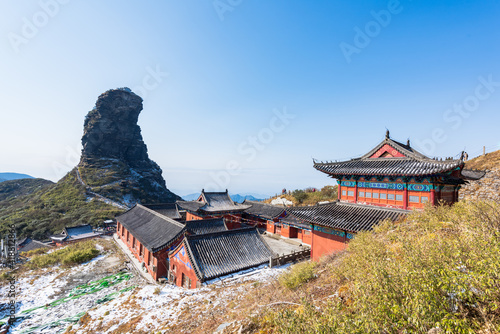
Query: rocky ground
[[487, 188]]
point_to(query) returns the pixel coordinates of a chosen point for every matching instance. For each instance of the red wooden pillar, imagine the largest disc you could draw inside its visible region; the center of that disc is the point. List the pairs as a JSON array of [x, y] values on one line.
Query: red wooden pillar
[[356, 191], [405, 197], [433, 196], [339, 189]]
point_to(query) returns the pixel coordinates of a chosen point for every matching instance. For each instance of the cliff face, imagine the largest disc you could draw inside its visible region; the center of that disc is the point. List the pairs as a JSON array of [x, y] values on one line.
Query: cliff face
[[115, 161]]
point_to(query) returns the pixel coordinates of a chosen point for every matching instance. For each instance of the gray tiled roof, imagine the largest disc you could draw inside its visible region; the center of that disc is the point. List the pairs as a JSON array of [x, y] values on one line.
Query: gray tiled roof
[[412, 164], [78, 230], [32, 244], [205, 226], [190, 205], [220, 201], [263, 210], [167, 209], [152, 229], [76, 233], [294, 221], [346, 216], [212, 202], [470, 174], [388, 166], [222, 253]]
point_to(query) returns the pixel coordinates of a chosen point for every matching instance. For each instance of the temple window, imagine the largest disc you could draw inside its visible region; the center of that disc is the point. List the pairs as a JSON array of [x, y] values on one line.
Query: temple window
[[414, 199]]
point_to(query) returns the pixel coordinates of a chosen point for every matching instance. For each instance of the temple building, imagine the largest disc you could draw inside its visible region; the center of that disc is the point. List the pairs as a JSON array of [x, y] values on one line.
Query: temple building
[[149, 236], [262, 215], [331, 226], [170, 210], [396, 175], [203, 257], [74, 234], [384, 184], [214, 205]]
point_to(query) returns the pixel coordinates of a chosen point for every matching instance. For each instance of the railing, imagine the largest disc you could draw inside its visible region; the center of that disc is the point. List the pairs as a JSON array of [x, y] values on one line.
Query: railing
[[285, 258]]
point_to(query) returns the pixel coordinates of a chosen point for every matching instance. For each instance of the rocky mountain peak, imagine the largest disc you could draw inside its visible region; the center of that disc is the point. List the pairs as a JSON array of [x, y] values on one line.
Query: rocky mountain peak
[[114, 157], [111, 129]]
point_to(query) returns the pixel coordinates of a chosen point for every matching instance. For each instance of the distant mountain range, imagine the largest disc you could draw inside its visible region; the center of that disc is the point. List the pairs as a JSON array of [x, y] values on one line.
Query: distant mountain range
[[235, 197], [13, 176]]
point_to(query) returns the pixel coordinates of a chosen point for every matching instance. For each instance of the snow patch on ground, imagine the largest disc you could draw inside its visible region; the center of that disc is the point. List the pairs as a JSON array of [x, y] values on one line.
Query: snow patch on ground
[[149, 305]]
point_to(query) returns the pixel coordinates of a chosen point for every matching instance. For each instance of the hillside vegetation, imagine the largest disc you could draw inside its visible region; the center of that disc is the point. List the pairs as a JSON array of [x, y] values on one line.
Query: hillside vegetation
[[488, 161], [15, 188], [438, 269], [308, 196], [47, 210]]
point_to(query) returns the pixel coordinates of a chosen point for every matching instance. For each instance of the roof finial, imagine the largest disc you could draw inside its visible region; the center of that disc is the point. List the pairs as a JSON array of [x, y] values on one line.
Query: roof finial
[[408, 142], [387, 134]]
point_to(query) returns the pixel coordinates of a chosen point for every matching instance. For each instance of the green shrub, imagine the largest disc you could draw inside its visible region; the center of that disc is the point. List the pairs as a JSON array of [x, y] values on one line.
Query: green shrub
[[37, 251], [300, 195], [67, 256], [297, 275], [5, 276]]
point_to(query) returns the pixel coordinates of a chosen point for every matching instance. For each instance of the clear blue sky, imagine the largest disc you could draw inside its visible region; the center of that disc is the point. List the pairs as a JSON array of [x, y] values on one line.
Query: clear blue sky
[[345, 70]]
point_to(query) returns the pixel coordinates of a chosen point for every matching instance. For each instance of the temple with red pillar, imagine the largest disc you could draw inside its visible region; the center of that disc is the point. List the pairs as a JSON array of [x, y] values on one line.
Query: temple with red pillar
[[396, 175], [384, 184]]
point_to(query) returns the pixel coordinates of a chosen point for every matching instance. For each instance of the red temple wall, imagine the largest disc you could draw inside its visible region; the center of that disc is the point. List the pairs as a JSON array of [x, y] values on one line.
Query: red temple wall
[[388, 197], [323, 244], [285, 230], [270, 226], [304, 235], [158, 259], [181, 265], [191, 216]]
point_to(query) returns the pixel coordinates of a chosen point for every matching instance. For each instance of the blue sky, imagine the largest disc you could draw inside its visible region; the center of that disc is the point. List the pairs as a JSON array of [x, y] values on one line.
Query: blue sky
[[214, 75]]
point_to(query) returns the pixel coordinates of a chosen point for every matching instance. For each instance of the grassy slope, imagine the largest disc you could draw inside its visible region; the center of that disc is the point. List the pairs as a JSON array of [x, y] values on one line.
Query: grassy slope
[[48, 210], [489, 161], [115, 180], [15, 188]]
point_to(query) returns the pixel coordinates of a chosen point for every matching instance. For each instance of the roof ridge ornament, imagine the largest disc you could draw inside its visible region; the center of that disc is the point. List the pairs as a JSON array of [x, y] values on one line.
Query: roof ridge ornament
[[387, 134]]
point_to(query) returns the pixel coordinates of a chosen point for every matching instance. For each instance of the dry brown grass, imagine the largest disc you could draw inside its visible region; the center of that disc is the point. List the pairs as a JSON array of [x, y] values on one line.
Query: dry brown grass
[[489, 161], [255, 301]]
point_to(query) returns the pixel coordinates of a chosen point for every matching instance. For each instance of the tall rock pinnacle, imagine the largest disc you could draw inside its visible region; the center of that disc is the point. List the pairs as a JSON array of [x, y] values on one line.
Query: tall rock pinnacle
[[115, 161]]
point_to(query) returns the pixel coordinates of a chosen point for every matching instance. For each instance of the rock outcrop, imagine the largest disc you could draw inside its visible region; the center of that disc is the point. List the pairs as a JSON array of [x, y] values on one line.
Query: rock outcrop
[[486, 188], [115, 161]]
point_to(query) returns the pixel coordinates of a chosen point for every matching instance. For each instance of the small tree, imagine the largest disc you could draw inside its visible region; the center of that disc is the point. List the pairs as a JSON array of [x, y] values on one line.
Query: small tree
[[299, 195], [329, 191]]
